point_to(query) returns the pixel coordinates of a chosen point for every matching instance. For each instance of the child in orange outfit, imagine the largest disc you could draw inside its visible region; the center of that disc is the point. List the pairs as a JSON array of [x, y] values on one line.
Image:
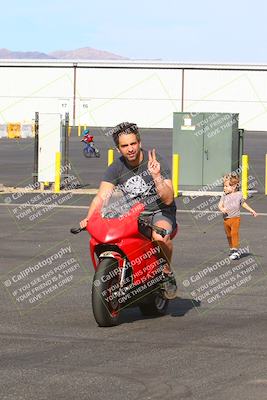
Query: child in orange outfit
[[230, 203]]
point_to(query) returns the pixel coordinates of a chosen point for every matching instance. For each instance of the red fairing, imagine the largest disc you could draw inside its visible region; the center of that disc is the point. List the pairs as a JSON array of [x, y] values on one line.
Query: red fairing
[[144, 256], [106, 230], [93, 243]]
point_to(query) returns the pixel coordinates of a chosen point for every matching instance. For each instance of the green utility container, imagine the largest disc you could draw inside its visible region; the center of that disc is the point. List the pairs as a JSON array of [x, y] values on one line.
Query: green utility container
[[209, 145]]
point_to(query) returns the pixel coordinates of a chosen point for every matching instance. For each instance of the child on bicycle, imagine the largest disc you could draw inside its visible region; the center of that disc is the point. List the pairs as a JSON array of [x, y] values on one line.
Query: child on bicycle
[[88, 138]]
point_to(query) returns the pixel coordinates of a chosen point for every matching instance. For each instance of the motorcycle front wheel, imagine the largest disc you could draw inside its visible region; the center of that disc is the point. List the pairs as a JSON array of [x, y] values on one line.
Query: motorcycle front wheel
[[105, 293]]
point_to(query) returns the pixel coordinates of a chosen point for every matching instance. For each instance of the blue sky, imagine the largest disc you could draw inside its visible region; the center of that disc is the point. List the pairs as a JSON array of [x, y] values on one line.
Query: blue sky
[[189, 31]]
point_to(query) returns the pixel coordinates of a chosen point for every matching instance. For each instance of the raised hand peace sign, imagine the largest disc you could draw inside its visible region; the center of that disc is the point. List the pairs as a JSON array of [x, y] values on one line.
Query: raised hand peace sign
[[153, 164]]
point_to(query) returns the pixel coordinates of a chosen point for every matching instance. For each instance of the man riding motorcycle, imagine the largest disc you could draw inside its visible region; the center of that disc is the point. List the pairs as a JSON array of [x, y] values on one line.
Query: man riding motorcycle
[[142, 176]]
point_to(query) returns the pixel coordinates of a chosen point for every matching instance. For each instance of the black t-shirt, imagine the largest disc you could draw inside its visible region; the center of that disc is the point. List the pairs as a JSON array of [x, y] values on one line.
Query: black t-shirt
[[137, 184]]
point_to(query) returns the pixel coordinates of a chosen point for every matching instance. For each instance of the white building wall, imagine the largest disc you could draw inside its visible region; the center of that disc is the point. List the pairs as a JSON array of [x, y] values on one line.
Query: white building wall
[[25, 90], [143, 92], [240, 92], [148, 97]]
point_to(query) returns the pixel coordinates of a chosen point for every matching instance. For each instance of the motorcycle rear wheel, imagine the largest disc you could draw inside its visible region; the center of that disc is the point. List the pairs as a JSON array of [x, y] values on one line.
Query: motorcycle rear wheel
[[156, 306], [105, 290]]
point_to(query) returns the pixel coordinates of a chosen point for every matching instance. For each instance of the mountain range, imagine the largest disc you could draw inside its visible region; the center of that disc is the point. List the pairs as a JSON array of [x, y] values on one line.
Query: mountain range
[[85, 53]]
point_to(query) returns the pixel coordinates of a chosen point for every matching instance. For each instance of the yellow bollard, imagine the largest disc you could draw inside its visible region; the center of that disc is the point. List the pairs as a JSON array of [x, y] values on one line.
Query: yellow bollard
[[69, 131], [79, 130], [110, 156], [245, 168], [266, 174], [57, 176], [175, 174]]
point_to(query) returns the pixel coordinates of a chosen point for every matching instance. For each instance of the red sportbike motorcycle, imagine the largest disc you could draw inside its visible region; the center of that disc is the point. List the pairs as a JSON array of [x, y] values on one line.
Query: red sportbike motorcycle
[[128, 265]]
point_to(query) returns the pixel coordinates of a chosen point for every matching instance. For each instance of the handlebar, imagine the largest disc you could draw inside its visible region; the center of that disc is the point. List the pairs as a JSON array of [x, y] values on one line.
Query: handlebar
[[76, 230], [161, 231]]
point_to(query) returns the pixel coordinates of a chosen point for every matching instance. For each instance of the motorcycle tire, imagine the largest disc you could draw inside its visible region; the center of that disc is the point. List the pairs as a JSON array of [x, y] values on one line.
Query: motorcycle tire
[[156, 306], [106, 307]]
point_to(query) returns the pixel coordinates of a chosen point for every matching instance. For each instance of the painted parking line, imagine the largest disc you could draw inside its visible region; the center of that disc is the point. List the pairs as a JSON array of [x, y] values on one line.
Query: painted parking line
[[215, 212], [86, 208], [53, 206]]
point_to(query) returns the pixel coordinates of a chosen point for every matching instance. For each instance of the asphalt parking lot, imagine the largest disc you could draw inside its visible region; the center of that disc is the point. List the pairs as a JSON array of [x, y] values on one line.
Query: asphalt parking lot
[[210, 345]]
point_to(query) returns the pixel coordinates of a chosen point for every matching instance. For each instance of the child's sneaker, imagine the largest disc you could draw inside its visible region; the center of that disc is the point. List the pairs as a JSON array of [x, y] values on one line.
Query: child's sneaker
[[231, 251], [169, 286], [234, 255]]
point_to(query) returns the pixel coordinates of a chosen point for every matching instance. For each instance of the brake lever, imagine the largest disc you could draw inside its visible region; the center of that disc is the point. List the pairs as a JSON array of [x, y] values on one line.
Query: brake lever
[[161, 231]]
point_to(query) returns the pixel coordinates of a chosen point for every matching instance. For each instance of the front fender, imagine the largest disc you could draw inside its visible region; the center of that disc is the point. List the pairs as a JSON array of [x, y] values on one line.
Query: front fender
[[113, 254]]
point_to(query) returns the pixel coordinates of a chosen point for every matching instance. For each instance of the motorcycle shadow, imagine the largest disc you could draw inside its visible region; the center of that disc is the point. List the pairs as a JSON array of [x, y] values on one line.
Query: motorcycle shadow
[[246, 255], [177, 308]]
